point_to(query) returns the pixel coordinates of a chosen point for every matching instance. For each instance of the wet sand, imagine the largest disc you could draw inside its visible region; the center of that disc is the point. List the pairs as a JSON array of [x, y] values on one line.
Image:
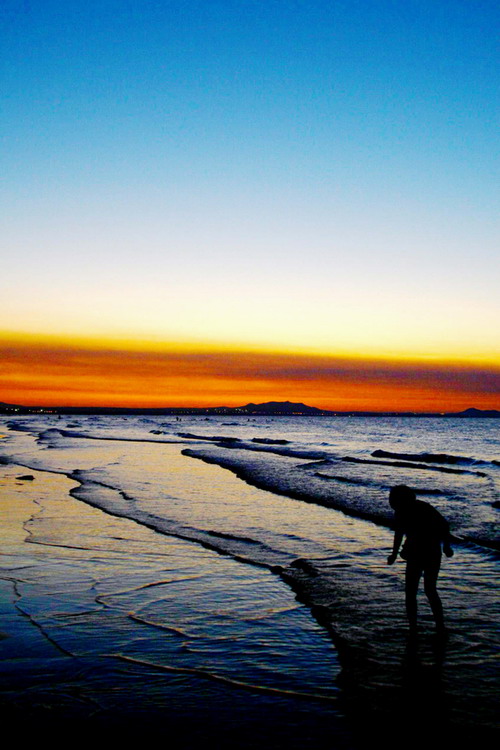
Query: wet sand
[[93, 641]]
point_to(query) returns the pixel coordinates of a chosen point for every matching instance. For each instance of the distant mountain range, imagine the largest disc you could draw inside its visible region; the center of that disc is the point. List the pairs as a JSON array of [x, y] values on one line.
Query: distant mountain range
[[270, 408]]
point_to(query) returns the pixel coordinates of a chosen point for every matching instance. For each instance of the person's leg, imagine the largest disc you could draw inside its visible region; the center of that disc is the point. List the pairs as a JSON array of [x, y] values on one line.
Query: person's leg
[[412, 578], [431, 572]]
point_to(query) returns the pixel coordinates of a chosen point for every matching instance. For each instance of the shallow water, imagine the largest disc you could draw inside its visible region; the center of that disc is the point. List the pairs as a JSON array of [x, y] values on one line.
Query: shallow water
[[146, 576], [109, 622]]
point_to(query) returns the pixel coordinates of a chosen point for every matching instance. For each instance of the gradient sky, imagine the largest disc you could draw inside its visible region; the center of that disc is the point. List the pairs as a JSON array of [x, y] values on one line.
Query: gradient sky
[[218, 185]]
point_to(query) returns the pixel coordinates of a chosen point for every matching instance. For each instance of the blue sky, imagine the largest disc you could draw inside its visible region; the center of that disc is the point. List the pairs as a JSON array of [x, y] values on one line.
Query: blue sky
[[275, 174]]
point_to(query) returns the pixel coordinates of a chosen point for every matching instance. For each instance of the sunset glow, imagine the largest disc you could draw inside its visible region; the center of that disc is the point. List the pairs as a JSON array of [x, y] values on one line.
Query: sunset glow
[[226, 202], [60, 374]]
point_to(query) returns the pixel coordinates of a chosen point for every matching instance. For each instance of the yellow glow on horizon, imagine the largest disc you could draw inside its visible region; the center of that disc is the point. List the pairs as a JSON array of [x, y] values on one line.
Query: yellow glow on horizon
[[347, 311], [156, 344]]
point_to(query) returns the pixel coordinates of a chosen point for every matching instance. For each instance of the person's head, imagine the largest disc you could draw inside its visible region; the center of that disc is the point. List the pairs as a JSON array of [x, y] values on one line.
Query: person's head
[[400, 496]]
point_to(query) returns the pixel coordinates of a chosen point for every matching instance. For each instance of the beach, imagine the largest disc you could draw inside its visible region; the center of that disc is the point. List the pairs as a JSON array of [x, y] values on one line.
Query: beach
[[250, 285], [227, 579]]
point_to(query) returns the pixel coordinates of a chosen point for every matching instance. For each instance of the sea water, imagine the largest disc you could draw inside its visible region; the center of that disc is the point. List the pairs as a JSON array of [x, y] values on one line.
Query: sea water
[[247, 557]]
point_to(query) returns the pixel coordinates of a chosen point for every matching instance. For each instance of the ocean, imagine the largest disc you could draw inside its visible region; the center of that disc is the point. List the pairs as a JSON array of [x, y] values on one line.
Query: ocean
[[226, 577]]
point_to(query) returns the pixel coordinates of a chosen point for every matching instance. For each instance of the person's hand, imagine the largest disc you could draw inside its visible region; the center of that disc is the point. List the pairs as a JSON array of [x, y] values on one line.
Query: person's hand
[[392, 558], [448, 550]]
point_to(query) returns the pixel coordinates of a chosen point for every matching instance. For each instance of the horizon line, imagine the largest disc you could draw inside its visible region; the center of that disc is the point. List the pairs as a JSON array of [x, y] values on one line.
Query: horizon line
[[53, 408]]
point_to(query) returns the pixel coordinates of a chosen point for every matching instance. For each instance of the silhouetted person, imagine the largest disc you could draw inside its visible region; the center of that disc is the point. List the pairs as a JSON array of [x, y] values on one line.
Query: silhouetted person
[[425, 530]]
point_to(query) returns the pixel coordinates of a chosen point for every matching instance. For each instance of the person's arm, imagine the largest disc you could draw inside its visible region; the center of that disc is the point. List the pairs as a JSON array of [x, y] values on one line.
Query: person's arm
[[398, 538], [446, 536], [447, 549]]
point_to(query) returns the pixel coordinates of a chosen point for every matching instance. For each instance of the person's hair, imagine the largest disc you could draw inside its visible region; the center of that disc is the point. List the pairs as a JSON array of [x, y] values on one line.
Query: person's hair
[[401, 494]]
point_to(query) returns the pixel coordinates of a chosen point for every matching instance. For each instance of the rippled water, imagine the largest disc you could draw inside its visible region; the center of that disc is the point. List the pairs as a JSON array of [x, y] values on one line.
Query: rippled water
[[305, 503]]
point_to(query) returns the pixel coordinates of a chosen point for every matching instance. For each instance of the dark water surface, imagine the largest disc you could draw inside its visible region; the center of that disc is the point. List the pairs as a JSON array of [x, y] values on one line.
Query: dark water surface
[[119, 608]]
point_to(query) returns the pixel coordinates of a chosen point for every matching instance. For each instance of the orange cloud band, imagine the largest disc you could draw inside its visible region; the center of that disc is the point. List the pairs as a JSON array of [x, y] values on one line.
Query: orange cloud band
[[48, 374]]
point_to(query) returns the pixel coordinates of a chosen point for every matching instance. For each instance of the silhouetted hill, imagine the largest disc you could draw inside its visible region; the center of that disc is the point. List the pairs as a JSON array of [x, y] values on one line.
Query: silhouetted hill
[[477, 413], [282, 407]]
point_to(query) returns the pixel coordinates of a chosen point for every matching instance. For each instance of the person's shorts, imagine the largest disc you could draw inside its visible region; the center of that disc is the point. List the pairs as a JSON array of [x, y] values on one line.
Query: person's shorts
[[423, 558]]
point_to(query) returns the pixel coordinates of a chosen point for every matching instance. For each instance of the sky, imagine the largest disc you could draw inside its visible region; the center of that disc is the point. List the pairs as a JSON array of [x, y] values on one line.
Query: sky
[[220, 201]]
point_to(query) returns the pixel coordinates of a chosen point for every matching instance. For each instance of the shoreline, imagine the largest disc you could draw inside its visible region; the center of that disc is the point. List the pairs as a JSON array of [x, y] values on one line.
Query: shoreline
[[55, 710], [369, 638]]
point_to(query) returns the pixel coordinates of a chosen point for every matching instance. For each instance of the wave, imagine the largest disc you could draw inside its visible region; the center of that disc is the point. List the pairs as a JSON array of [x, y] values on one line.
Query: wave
[[345, 480], [54, 432], [338, 492], [293, 483], [304, 453], [279, 449], [212, 438], [115, 501], [410, 465], [270, 441], [429, 458], [374, 483], [231, 439], [231, 682], [260, 445], [19, 426], [233, 537]]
